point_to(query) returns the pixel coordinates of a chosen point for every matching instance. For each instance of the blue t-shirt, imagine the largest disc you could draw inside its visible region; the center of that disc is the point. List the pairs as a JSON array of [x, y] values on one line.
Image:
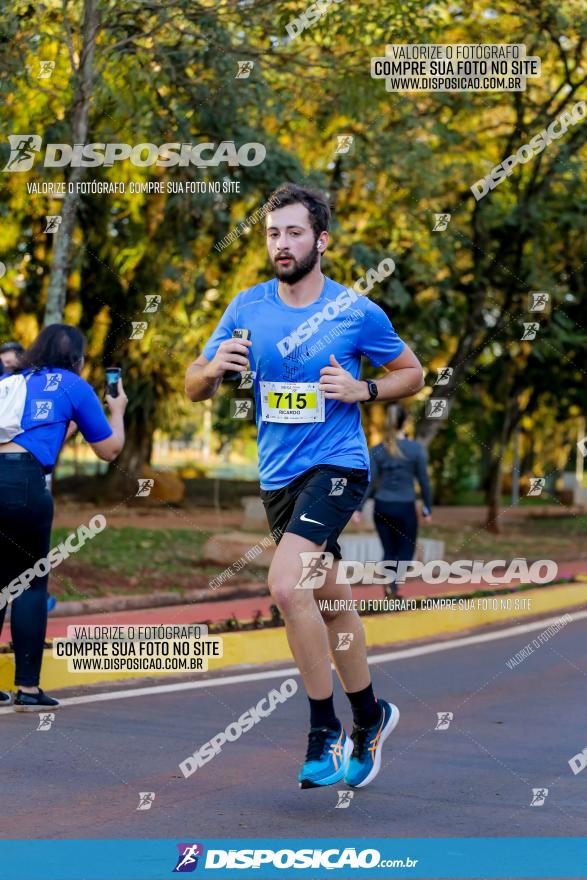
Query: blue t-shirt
[[55, 397], [286, 349]]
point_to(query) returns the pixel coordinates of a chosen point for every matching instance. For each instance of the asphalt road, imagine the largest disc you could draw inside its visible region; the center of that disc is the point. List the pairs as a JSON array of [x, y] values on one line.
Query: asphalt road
[[513, 730]]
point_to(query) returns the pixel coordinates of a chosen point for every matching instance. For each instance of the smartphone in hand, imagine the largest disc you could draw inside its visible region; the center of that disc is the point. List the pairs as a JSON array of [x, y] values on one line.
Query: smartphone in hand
[[113, 374]]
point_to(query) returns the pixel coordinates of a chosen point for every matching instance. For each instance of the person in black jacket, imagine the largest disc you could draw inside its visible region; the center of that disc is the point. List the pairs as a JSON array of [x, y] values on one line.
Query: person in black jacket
[[396, 464]]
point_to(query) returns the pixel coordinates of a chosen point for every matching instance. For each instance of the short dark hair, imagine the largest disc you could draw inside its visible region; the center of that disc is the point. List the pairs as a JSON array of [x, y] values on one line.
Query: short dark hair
[[12, 346], [314, 200], [58, 345]]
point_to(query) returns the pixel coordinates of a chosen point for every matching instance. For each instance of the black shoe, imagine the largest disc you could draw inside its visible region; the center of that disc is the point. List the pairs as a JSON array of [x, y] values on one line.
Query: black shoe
[[33, 702], [5, 699]]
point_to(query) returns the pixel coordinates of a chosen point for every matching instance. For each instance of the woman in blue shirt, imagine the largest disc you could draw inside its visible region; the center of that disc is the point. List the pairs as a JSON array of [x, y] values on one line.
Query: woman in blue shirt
[[396, 464], [55, 395]]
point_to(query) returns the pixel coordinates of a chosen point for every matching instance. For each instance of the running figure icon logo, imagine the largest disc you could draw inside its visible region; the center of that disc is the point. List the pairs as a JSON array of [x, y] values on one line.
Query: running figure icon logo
[[241, 409], [344, 641], [53, 222], [537, 302], [145, 486], [315, 564], [536, 485], [444, 719], [530, 330], [338, 484], [539, 795], [436, 409], [441, 222], [42, 410], [189, 854], [146, 799], [22, 151], [344, 799], [244, 69], [46, 719], [444, 376]]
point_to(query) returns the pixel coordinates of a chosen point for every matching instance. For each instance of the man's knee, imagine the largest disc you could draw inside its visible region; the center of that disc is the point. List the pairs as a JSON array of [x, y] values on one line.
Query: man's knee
[[289, 598]]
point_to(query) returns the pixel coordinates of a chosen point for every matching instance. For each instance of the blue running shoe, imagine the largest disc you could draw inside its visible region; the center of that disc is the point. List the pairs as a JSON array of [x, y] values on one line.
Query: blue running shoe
[[326, 758], [365, 760]]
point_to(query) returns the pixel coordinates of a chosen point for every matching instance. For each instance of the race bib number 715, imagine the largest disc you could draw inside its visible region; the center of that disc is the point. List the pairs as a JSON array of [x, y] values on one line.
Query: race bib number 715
[[291, 402]]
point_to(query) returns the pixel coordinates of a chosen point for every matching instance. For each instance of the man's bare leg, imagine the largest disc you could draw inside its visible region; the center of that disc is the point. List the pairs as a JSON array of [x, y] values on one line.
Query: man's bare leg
[[351, 665], [306, 631]]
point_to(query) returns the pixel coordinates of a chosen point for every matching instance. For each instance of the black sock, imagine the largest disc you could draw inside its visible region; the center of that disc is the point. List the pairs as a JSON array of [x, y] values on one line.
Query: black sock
[[366, 709], [322, 713]]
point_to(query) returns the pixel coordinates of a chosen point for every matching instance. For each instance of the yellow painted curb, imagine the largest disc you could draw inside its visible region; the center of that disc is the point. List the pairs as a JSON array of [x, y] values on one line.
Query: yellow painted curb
[[270, 645]]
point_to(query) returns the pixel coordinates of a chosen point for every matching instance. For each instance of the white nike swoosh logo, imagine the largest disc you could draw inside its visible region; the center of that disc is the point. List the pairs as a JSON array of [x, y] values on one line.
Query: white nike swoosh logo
[[304, 518]]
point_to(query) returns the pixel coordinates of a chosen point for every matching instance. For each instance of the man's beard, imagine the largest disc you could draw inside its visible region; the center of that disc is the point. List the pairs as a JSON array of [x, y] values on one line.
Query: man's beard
[[299, 268]]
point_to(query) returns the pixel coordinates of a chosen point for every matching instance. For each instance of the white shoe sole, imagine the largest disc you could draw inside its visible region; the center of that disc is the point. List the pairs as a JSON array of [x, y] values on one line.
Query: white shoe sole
[[389, 728]]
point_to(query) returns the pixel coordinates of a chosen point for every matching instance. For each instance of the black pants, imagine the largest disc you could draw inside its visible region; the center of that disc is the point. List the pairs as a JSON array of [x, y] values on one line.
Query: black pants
[[26, 516], [397, 526]]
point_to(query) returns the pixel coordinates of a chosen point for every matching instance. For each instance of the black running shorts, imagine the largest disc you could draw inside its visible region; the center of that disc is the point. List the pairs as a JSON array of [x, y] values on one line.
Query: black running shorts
[[317, 505]]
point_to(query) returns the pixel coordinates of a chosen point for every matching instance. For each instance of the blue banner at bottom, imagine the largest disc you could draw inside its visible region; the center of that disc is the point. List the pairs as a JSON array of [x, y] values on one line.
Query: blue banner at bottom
[[276, 858]]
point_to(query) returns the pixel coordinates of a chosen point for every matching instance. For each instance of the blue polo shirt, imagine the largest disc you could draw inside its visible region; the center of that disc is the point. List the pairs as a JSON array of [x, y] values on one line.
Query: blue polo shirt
[[287, 349], [55, 397]]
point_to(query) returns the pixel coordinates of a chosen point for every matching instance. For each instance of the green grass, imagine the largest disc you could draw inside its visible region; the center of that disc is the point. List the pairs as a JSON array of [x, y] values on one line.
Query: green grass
[[129, 551], [549, 538]]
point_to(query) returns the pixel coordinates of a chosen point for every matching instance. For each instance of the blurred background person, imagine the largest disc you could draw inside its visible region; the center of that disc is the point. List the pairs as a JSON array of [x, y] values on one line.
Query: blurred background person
[[396, 464], [55, 395], [10, 354]]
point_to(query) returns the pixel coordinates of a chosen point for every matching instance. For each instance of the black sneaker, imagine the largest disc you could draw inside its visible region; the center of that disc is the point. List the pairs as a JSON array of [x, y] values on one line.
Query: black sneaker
[[33, 702], [5, 699]]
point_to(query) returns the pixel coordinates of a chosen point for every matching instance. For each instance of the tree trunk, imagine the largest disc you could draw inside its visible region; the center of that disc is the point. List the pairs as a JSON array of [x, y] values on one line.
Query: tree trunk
[[84, 84], [510, 420]]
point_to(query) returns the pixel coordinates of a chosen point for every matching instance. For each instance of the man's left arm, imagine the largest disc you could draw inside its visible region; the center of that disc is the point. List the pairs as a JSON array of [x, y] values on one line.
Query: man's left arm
[[404, 377]]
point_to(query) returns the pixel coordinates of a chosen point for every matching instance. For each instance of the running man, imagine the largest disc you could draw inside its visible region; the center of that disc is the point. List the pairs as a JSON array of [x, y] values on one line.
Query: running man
[[307, 336]]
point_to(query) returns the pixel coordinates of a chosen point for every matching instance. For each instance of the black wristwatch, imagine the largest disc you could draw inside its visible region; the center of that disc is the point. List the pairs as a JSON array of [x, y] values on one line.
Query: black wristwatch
[[373, 390]]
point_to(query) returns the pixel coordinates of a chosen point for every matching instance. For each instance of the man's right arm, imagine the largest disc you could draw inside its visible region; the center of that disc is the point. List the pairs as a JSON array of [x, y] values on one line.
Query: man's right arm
[[203, 377]]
